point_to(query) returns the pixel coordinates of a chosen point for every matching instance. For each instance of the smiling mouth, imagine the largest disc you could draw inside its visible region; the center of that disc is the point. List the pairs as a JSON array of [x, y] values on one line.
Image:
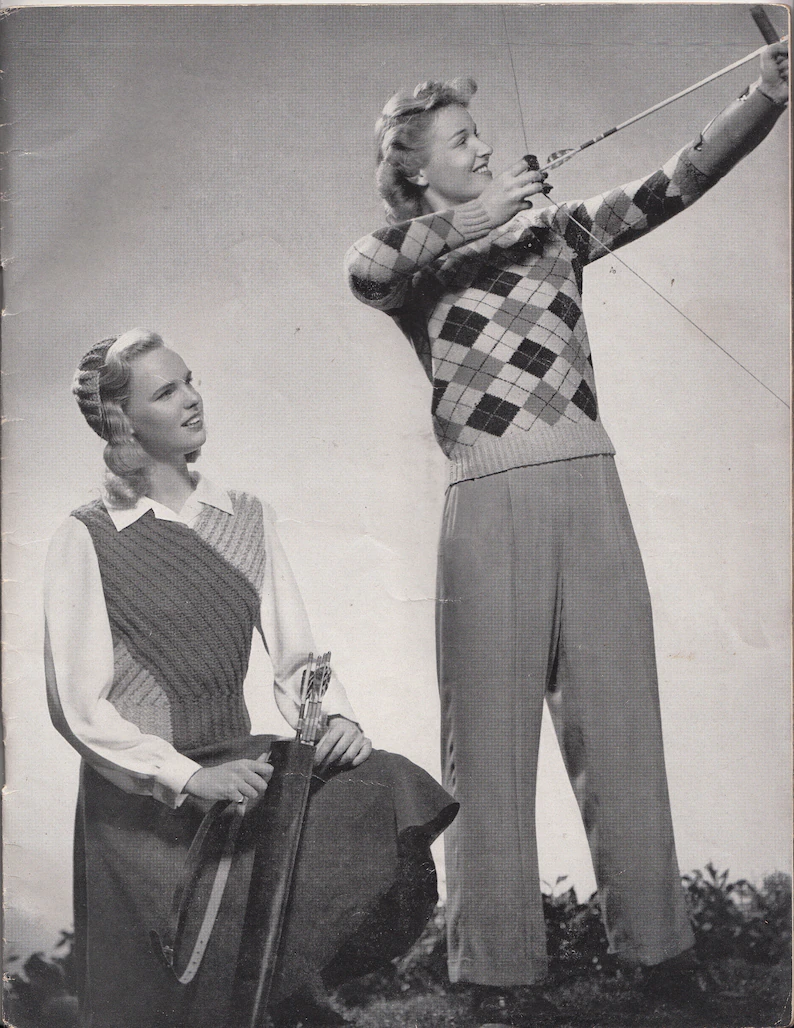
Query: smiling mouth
[[195, 422], [482, 170]]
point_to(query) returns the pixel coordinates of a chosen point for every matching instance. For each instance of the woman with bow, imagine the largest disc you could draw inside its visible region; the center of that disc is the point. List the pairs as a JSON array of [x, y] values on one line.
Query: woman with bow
[[541, 588]]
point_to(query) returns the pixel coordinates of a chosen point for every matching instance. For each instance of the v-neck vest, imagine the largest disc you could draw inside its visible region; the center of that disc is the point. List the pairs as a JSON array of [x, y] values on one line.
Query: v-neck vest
[[182, 617]]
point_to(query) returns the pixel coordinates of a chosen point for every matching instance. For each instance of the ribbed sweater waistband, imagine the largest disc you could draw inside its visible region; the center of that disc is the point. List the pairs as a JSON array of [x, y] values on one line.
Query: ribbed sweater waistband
[[517, 448]]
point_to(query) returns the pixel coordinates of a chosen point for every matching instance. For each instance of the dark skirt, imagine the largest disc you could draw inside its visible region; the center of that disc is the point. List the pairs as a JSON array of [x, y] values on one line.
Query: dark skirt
[[363, 889]]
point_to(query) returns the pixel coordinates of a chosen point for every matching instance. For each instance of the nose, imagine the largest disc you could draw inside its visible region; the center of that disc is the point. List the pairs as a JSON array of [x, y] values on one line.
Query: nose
[[484, 150], [192, 395]]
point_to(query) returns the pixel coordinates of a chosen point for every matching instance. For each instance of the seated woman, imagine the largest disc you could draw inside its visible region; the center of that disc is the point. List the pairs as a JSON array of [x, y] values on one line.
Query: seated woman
[[152, 598]]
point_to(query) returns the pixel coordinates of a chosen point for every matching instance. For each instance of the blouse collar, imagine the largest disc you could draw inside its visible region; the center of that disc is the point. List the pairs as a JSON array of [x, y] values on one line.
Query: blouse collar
[[205, 494]]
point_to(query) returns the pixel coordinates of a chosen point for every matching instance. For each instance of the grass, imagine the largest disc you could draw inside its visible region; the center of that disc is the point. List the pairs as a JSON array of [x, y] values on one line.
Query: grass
[[748, 995], [743, 939]]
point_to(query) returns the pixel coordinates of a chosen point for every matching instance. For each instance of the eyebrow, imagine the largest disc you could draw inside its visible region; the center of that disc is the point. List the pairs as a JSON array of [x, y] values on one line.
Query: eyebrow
[[185, 378], [460, 132]]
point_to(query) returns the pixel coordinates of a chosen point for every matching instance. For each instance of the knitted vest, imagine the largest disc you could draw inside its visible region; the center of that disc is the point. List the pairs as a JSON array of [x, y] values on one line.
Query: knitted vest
[[182, 619]]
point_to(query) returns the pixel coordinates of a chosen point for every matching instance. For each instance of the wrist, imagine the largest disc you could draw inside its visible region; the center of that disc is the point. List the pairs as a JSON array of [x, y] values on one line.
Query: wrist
[[768, 93], [190, 785], [472, 220], [344, 717], [175, 775]]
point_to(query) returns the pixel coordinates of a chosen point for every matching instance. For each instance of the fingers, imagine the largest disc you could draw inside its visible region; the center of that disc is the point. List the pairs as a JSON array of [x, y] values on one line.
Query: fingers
[[327, 741], [525, 179], [533, 190], [363, 753], [263, 767], [522, 173], [335, 755], [343, 745], [774, 61], [244, 791], [509, 192], [347, 756], [334, 742], [356, 753], [247, 779], [257, 773], [779, 54], [237, 780]]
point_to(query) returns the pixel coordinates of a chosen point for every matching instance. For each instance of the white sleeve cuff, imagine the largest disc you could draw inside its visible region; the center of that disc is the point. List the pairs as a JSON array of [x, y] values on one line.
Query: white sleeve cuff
[[171, 779]]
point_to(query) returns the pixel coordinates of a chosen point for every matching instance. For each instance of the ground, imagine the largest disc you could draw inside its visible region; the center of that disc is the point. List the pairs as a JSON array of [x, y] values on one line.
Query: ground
[[747, 995]]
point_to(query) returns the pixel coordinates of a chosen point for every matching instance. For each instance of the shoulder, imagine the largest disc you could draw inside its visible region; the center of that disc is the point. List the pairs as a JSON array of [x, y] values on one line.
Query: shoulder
[[242, 501], [246, 505], [71, 544], [253, 517], [94, 510], [243, 538], [73, 527]]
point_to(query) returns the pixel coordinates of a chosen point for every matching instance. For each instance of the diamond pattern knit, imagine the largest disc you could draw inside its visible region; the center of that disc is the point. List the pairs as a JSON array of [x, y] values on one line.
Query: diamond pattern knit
[[496, 316]]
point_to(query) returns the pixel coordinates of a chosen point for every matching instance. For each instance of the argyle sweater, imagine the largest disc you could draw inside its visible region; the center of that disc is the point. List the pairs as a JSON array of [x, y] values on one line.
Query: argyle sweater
[[495, 315], [183, 604]]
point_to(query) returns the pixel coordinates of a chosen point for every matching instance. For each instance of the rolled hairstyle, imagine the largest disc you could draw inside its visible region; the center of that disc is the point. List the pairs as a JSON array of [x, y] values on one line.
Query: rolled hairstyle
[[101, 386], [401, 133]]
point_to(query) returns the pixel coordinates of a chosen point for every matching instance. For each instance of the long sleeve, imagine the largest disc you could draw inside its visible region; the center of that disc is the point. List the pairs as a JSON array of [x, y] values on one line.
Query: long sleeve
[[735, 132], [605, 222], [79, 668], [380, 266], [623, 214], [287, 633]]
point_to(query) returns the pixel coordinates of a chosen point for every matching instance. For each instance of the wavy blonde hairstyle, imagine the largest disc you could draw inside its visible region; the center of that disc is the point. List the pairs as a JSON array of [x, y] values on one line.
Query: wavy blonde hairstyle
[[401, 134], [101, 386]]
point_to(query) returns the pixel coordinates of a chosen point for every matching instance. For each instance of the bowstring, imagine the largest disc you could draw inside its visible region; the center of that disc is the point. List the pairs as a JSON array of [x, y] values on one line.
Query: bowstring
[[515, 79], [612, 253], [670, 303]]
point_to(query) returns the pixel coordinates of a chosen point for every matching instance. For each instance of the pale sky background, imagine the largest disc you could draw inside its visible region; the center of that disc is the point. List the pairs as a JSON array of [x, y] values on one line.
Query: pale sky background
[[201, 172]]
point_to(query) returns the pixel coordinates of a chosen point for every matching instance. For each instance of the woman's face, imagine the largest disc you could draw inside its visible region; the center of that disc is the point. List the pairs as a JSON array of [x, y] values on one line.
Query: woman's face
[[164, 409], [456, 166]]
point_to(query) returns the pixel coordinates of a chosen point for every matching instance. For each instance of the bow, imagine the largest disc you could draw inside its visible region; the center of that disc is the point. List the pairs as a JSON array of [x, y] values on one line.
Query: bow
[[562, 156]]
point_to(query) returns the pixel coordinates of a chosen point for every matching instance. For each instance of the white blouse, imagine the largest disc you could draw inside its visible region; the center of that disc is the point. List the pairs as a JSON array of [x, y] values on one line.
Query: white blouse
[[78, 651]]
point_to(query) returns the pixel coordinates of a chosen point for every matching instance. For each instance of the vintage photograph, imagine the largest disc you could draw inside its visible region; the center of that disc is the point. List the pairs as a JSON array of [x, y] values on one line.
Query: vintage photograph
[[396, 516]]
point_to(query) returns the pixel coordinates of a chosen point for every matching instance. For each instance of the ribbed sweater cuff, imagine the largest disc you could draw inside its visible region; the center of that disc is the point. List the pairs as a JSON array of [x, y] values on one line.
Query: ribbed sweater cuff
[[471, 220]]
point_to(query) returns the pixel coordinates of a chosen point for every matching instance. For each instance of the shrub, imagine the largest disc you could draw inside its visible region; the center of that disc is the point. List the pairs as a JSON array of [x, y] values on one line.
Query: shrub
[[735, 919], [575, 936], [731, 921], [43, 994]]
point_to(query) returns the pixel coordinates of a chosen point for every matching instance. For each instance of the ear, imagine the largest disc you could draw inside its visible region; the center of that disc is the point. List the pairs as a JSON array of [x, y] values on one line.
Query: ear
[[420, 179]]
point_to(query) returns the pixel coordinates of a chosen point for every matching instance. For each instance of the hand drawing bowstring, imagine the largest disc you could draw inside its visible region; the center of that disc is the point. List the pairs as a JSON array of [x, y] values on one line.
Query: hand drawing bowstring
[[561, 156]]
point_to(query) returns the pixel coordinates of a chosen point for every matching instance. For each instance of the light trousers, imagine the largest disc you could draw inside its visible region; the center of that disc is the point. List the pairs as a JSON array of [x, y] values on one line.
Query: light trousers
[[542, 596]]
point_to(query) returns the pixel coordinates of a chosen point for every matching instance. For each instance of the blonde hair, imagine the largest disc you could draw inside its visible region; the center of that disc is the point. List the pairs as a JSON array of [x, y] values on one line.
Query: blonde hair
[[101, 386], [401, 134]]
